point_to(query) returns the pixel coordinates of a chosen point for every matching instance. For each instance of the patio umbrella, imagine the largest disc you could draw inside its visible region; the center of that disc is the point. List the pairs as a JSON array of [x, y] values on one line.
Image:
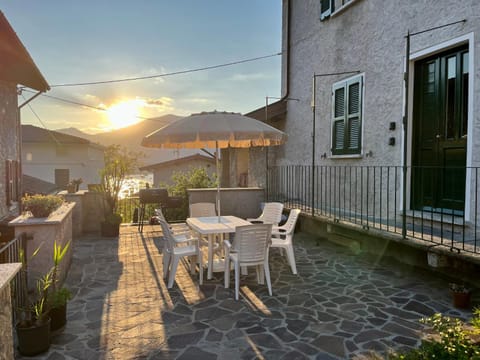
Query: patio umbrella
[[217, 130]]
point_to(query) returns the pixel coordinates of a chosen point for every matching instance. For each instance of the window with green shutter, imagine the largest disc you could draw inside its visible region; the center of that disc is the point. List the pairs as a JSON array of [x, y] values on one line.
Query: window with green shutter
[[347, 116]]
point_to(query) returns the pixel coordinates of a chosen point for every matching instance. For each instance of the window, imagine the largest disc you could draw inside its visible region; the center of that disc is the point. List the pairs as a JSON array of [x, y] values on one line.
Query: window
[[347, 116], [326, 8], [62, 177], [12, 184]]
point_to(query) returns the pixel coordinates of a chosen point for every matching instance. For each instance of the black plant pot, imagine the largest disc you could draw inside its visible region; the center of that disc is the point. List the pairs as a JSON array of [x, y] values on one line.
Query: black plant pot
[[34, 339], [109, 229], [58, 316]]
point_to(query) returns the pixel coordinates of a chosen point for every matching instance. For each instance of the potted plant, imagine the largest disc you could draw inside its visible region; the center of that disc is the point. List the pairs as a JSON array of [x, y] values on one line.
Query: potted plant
[[461, 295], [74, 185], [41, 205], [33, 327], [58, 296], [119, 162]]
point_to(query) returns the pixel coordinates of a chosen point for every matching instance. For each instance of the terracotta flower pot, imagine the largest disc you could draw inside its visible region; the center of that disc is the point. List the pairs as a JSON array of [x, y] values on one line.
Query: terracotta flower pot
[[461, 300]]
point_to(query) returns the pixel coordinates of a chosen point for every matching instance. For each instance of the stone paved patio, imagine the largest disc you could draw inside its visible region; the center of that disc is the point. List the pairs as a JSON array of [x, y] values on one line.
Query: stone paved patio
[[340, 306]]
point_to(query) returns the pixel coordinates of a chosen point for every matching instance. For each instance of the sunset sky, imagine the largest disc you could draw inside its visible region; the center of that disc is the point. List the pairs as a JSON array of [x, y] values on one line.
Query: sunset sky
[[89, 41]]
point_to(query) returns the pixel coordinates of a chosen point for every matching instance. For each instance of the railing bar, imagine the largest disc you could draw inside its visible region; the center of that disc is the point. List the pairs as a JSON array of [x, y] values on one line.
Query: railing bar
[[476, 212]]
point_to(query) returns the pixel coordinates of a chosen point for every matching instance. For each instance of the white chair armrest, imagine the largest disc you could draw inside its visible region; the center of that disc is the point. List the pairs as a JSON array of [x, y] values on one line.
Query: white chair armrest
[[255, 221], [278, 231], [184, 238]]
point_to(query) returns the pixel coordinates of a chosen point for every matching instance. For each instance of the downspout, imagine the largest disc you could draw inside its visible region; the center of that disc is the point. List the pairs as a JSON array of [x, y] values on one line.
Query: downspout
[[286, 53]]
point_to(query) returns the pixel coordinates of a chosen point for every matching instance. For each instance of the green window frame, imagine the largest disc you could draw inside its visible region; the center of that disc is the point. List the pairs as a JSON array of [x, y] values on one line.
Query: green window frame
[[347, 109], [326, 8]]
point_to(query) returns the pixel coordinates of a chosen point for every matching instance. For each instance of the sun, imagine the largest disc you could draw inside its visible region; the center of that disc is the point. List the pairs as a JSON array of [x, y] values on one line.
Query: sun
[[124, 113]]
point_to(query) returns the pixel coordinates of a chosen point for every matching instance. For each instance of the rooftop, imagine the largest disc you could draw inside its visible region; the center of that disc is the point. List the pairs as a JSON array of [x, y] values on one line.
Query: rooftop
[[340, 305]]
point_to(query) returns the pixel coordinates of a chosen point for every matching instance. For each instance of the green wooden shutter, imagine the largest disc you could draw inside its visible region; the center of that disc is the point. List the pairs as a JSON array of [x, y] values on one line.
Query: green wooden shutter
[[338, 136], [354, 116], [347, 117], [326, 8]]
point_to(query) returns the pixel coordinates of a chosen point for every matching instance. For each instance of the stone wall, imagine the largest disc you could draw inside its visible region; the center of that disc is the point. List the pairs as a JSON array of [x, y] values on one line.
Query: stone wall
[[241, 202], [7, 272], [9, 140], [43, 232]]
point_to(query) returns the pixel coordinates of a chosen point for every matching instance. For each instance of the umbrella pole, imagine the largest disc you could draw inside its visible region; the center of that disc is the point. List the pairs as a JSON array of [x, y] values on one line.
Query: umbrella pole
[[218, 180]]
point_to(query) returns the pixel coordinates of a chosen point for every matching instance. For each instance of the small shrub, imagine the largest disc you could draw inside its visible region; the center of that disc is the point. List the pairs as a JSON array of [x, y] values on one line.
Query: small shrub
[[41, 205], [452, 339], [113, 218]]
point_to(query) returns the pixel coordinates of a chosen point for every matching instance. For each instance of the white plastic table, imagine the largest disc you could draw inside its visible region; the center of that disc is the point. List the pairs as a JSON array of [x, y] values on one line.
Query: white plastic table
[[211, 226]]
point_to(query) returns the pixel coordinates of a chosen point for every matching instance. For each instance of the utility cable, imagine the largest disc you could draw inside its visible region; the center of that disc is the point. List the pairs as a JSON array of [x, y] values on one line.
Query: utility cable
[[80, 104], [168, 74], [42, 123]]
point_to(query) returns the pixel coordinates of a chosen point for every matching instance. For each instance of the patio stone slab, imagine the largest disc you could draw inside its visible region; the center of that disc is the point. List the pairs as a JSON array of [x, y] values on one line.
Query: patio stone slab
[[340, 305]]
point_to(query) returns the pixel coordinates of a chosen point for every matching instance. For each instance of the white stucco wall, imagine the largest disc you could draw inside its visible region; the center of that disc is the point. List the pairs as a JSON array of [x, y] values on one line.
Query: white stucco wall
[[368, 36], [83, 161]]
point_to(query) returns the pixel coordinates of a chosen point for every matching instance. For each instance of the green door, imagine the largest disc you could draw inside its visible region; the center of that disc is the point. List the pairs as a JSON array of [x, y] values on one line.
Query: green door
[[440, 110]]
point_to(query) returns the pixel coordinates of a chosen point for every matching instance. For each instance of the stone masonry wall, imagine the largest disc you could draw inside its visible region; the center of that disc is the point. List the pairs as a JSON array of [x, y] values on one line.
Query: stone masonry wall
[[9, 138]]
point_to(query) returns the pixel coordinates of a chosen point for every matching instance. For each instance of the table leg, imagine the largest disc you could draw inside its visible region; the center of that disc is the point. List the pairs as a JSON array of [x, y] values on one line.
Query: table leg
[[210, 256]]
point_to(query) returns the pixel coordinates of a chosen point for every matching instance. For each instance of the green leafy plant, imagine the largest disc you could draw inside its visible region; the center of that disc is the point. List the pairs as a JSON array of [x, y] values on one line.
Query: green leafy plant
[[119, 162], [41, 205], [33, 302], [182, 181], [58, 296], [451, 339], [115, 219]]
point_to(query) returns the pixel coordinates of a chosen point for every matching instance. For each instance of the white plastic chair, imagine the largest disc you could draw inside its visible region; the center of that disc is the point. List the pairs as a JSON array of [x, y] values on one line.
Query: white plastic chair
[[282, 237], [202, 209], [271, 214], [180, 228], [173, 253], [250, 248]]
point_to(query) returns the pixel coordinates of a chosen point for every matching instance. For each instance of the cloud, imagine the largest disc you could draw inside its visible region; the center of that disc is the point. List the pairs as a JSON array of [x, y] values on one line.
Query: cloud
[[163, 101], [249, 77]]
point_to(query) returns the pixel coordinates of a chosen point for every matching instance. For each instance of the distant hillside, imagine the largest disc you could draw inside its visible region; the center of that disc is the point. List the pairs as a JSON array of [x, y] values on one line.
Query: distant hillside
[[131, 137]]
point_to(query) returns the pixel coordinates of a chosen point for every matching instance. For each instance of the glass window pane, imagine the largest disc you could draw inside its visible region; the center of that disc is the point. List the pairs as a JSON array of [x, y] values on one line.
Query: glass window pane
[[452, 67]]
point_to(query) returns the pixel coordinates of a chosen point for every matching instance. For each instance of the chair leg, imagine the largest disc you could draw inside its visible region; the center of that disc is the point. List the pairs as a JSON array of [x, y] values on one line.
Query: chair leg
[[267, 276], [166, 263], [291, 259], [173, 271], [193, 262], [260, 275], [200, 266], [227, 273], [237, 280]]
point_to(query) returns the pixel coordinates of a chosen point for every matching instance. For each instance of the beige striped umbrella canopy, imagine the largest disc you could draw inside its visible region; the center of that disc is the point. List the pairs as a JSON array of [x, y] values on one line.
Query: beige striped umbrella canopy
[[217, 130]]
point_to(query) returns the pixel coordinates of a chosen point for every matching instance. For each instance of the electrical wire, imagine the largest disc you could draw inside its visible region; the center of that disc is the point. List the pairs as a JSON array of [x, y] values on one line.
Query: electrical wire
[[79, 103], [168, 74], [41, 122]]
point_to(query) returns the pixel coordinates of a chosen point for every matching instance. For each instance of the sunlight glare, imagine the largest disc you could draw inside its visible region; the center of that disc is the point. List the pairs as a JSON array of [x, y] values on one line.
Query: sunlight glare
[[124, 113]]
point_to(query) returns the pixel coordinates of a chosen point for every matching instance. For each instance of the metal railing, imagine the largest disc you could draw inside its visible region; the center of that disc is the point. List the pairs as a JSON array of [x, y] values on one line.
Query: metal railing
[[372, 197], [10, 253]]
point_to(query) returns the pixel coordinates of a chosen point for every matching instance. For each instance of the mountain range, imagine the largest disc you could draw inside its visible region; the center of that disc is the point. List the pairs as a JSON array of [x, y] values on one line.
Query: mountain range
[[131, 137]]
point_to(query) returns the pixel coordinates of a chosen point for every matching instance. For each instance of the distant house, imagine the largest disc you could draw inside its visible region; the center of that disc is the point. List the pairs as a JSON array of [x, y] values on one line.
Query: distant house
[[163, 171], [16, 67], [58, 158], [243, 167]]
